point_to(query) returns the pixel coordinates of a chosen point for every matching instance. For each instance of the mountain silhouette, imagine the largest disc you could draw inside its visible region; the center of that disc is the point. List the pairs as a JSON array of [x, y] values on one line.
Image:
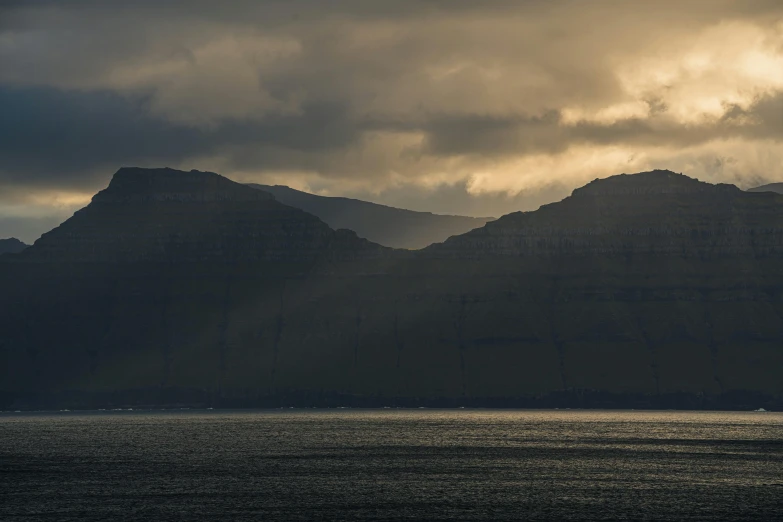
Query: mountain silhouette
[[771, 187], [644, 290], [166, 215], [657, 213], [11, 246], [389, 226]]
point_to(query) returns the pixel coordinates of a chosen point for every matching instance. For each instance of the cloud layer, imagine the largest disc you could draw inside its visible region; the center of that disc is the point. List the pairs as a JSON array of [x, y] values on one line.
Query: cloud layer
[[450, 106]]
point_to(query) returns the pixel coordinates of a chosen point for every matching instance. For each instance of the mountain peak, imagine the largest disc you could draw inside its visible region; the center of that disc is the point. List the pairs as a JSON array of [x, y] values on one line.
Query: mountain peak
[[11, 246], [651, 182], [165, 184], [655, 213], [172, 216]]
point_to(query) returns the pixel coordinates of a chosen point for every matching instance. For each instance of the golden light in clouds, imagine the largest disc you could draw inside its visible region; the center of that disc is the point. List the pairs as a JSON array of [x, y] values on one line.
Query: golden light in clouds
[[405, 103], [730, 64]]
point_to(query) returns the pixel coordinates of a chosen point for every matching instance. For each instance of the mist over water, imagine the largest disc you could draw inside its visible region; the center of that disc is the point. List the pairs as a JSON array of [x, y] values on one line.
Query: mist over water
[[391, 464]]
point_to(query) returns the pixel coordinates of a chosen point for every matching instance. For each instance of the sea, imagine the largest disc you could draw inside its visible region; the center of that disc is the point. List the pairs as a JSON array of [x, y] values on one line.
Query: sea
[[391, 464]]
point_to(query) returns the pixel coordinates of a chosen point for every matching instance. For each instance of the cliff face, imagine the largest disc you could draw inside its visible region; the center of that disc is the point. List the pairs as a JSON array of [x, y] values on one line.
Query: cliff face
[[644, 290], [389, 226]]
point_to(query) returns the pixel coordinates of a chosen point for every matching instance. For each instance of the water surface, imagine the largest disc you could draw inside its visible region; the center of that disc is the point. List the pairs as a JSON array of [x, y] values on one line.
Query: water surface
[[391, 464]]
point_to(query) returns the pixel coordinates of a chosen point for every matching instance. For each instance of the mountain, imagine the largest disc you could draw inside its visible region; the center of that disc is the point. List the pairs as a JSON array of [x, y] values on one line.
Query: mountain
[[771, 187], [170, 216], [142, 280], [393, 227], [645, 290], [656, 213], [11, 246]]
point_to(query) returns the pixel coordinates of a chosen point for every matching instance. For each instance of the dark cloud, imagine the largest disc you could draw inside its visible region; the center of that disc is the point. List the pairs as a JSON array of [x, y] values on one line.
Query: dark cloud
[[53, 136], [47, 134], [492, 136], [763, 119], [62, 138]]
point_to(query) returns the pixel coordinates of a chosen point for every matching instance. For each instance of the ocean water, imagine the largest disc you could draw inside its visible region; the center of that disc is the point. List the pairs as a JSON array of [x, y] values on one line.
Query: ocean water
[[391, 465]]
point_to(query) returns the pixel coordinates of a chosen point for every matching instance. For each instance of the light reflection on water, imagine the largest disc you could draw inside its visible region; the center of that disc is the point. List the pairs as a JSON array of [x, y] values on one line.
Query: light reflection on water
[[387, 464]]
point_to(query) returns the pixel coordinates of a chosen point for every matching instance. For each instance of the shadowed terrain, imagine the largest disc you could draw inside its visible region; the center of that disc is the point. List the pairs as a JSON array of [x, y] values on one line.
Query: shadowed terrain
[[771, 187], [389, 226], [645, 290], [11, 246]]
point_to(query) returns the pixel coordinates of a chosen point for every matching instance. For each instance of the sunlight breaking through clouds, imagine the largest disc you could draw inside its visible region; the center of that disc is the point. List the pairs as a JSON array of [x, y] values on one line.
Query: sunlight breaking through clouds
[[392, 99]]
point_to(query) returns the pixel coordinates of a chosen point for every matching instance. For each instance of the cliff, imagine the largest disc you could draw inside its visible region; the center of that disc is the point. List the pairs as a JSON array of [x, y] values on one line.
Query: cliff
[[647, 290], [393, 227]]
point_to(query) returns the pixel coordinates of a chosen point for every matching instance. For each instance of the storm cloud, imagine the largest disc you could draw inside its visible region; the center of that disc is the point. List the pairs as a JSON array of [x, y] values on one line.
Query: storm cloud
[[477, 108]]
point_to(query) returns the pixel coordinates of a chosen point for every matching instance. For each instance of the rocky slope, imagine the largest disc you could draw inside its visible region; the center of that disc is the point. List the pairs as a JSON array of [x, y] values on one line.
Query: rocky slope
[[393, 227], [11, 246], [649, 290]]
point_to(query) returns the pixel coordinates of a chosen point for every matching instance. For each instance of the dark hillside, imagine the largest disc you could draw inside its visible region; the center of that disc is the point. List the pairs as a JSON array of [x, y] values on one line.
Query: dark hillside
[[389, 226], [646, 290], [11, 246]]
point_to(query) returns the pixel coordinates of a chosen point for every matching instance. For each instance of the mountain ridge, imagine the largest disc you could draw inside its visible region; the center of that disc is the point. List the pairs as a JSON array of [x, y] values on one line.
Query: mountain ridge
[[148, 215], [770, 187], [649, 291], [11, 245], [622, 215], [383, 224]]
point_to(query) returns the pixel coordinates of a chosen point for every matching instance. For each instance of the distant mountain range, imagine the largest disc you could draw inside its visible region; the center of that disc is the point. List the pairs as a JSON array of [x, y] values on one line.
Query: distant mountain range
[[771, 187], [388, 226], [11, 246], [185, 288]]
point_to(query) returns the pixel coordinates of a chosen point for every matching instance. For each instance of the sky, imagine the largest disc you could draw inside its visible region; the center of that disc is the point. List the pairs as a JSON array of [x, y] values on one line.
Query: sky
[[451, 106]]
